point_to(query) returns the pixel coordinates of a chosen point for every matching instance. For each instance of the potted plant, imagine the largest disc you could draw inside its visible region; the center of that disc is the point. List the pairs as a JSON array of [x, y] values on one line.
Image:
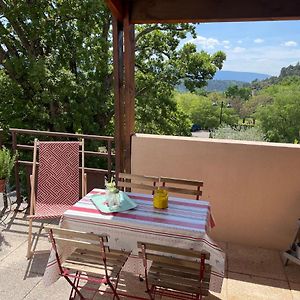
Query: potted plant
[[7, 162]]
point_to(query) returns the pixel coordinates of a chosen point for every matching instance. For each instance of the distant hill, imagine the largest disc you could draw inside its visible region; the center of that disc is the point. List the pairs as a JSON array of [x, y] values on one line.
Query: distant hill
[[240, 76], [285, 72], [290, 71], [223, 79], [222, 85]]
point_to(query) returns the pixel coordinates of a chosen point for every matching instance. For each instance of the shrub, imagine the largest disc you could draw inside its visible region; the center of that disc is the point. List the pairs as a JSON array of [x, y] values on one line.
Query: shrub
[[7, 162], [246, 134]]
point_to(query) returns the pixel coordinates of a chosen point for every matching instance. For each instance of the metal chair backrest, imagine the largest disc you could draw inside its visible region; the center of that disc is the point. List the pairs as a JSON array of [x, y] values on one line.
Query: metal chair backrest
[[86, 257], [182, 186], [128, 181], [174, 268], [77, 240]]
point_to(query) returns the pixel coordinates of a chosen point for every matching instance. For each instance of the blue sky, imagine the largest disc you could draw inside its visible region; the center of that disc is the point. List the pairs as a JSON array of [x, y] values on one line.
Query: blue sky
[[262, 47]]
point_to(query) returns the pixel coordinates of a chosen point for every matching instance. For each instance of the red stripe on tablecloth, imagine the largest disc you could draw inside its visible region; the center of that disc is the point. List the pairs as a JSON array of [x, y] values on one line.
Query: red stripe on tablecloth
[[185, 203], [145, 207], [97, 192], [141, 218]]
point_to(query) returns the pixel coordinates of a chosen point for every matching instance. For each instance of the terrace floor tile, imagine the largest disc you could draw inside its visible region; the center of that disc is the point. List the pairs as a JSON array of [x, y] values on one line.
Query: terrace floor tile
[[295, 289], [248, 287], [255, 261]]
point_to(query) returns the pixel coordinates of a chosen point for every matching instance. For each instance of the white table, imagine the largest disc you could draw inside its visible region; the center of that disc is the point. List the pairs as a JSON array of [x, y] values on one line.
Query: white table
[[185, 223]]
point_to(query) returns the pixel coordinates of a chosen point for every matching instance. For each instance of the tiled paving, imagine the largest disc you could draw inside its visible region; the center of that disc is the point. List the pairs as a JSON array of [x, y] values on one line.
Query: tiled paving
[[251, 273]]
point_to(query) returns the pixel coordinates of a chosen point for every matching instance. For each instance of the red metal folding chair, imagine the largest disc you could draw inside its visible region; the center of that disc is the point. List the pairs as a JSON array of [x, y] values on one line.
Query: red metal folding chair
[[57, 181], [175, 272], [91, 260]]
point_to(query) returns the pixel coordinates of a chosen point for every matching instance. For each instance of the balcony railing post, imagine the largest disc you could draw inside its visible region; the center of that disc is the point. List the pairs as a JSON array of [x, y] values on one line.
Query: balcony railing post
[[1, 137], [109, 162], [17, 169]]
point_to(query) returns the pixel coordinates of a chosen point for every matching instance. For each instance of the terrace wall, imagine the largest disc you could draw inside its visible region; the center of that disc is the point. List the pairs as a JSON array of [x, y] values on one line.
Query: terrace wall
[[254, 188]]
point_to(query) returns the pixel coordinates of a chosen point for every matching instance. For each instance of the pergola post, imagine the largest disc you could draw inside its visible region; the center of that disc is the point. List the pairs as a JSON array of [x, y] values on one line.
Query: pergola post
[[118, 35], [129, 85], [124, 87]]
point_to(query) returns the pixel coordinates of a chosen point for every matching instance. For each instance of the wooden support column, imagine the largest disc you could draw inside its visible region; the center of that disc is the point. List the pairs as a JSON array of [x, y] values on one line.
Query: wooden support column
[[124, 86], [118, 35], [129, 85]]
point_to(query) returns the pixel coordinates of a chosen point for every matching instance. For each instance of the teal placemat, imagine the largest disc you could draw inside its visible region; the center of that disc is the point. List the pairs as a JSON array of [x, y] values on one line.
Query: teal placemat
[[100, 201]]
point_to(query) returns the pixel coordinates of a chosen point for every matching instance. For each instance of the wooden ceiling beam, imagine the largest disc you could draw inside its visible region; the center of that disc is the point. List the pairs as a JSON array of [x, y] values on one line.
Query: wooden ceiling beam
[[116, 8], [180, 11]]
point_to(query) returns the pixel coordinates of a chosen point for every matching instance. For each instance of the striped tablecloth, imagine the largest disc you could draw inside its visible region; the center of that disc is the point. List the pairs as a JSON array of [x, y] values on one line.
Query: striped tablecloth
[[184, 224]]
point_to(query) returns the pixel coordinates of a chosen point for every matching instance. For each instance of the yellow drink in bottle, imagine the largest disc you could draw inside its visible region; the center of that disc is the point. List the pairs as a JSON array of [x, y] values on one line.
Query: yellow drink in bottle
[[160, 198]]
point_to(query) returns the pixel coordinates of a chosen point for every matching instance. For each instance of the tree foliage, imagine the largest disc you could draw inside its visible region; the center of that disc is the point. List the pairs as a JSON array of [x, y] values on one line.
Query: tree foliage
[[235, 91], [280, 120], [56, 60], [202, 110], [161, 66]]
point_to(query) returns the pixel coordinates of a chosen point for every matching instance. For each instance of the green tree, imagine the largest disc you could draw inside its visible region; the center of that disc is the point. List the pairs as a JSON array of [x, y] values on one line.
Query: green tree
[[56, 54], [161, 66], [254, 103], [57, 68], [238, 97], [202, 111], [280, 120], [234, 91]]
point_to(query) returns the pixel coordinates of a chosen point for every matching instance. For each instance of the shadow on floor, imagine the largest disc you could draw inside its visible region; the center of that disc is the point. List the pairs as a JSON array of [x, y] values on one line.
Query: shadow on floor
[[3, 242], [37, 264]]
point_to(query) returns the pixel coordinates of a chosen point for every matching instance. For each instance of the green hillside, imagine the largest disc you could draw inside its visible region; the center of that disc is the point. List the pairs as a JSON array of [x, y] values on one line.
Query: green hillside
[[223, 85]]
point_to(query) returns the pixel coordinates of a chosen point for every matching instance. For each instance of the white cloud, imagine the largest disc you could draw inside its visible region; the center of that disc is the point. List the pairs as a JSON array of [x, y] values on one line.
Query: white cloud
[[209, 43], [252, 57], [290, 44], [263, 59], [258, 41], [205, 43], [238, 49]]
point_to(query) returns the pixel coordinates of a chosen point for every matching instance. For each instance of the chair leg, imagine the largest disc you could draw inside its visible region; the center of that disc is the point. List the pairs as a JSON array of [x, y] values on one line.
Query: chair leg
[[29, 249], [116, 285], [198, 297], [75, 288], [116, 296], [151, 293], [152, 290], [73, 291]]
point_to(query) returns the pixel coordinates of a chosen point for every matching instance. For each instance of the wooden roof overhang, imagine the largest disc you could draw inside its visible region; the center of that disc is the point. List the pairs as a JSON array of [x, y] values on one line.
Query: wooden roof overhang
[[182, 11], [126, 13]]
